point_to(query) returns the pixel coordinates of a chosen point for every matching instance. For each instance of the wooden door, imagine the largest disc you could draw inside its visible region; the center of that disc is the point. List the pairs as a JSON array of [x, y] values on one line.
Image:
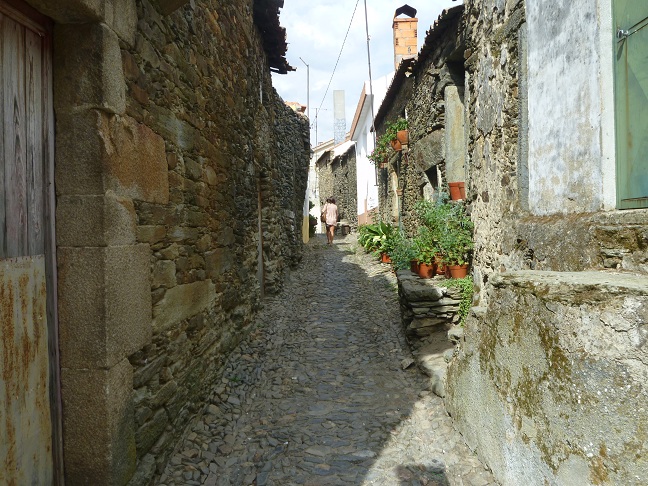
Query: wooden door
[[631, 102], [28, 372]]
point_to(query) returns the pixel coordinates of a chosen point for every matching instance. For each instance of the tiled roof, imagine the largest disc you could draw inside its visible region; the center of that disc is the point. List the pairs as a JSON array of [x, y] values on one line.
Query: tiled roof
[[266, 18]]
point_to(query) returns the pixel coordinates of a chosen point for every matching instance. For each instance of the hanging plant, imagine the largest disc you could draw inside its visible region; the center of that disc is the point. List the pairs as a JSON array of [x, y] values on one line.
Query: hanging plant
[[383, 143]]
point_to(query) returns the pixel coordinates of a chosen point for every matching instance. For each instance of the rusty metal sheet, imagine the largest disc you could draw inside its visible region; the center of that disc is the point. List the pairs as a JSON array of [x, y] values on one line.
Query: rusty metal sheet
[[25, 417]]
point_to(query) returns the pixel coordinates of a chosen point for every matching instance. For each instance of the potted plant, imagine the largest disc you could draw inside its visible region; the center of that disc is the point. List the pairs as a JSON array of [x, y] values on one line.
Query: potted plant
[[397, 134], [455, 241], [381, 151], [457, 190], [425, 249], [401, 250]]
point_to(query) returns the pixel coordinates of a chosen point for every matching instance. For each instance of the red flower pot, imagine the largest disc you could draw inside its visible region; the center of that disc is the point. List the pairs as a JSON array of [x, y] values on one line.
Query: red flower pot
[[440, 266], [384, 258], [458, 271], [403, 136], [426, 271], [457, 190], [414, 266]]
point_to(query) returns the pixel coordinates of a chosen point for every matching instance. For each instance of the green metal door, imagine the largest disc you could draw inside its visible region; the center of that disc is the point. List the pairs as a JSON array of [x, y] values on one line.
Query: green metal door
[[631, 101]]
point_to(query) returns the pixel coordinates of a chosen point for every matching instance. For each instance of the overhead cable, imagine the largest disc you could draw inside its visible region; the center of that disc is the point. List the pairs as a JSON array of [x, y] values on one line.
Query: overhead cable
[[339, 55]]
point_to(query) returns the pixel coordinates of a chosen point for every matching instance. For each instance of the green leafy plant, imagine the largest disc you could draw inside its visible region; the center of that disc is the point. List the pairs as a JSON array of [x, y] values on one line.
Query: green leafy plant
[[456, 242], [383, 145], [425, 245], [466, 286], [402, 251], [445, 227], [377, 237]]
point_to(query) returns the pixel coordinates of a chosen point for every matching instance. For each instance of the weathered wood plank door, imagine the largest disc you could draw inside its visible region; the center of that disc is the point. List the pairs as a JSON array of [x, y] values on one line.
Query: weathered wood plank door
[[28, 384], [631, 102]]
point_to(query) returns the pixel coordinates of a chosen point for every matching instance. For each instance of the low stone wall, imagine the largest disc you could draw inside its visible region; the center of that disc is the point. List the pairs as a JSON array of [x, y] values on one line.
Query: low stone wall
[[429, 311], [558, 363]]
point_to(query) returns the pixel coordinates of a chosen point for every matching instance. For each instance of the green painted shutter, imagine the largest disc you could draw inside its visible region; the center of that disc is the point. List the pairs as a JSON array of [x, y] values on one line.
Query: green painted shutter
[[631, 102]]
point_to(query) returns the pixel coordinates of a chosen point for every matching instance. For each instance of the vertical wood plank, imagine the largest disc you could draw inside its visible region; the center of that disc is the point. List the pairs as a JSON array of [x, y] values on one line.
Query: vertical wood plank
[[50, 263], [15, 147], [34, 142], [3, 133]]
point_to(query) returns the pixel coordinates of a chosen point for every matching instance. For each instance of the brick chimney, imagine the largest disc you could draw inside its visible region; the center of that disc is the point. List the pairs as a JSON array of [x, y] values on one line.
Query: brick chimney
[[405, 34]]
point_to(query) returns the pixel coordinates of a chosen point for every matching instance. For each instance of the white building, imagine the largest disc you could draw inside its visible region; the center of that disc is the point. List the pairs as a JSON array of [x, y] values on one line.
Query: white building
[[362, 135]]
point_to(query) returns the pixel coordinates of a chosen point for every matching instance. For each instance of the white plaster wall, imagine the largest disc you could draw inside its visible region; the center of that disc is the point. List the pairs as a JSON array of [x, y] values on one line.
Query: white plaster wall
[[366, 172], [571, 129], [364, 138]]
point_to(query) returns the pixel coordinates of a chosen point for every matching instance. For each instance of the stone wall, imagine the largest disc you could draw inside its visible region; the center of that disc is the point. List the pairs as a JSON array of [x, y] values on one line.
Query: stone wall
[[231, 148], [547, 382], [337, 178], [421, 92], [181, 177], [550, 388], [430, 317]]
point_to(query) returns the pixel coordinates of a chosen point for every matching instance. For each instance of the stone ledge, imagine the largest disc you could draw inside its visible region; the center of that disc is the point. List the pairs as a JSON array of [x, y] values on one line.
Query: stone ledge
[[429, 310], [574, 287]]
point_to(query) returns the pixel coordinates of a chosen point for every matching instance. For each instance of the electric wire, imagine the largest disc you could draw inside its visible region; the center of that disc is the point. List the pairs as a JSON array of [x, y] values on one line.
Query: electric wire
[[339, 55]]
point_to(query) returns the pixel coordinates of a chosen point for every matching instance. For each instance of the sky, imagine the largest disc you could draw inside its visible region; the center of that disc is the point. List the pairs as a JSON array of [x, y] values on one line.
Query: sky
[[315, 31]]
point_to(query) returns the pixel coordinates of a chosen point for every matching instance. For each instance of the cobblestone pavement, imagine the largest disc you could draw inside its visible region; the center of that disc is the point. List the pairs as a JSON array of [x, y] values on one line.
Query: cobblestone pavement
[[317, 394]]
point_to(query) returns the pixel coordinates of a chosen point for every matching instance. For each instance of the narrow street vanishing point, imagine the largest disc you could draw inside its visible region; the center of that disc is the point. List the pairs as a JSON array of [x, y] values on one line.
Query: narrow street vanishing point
[[321, 394]]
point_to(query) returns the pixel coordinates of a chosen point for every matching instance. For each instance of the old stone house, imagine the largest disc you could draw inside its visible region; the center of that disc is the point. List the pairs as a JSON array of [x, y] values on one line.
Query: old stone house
[[427, 90], [337, 178], [151, 190], [548, 384], [556, 346]]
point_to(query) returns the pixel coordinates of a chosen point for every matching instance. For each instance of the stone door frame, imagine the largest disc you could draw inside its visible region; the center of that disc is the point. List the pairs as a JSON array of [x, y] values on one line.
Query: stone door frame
[[103, 288]]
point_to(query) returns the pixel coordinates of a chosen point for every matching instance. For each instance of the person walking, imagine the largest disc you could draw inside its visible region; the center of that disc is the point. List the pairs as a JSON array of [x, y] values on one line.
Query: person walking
[[330, 213]]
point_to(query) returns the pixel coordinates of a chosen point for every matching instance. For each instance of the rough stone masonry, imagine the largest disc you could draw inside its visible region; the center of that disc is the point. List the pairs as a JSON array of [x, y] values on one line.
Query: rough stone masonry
[[180, 179]]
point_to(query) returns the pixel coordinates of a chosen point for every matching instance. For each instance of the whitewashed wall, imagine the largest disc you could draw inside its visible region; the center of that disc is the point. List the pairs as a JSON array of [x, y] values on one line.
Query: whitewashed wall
[[570, 106]]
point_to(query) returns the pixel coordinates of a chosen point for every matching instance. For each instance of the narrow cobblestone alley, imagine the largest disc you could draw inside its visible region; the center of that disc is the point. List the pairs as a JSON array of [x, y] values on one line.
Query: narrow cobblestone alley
[[317, 394]]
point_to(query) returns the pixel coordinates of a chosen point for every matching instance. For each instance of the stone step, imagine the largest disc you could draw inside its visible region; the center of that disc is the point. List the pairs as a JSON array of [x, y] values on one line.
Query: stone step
[[623, 239], [575, 287], [582, 242]]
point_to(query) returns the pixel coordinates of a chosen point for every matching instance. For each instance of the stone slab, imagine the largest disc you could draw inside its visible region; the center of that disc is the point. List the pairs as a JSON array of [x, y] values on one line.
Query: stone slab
[[98, 425], [104, 304], [89, 73], [95, 220], [182, 302]]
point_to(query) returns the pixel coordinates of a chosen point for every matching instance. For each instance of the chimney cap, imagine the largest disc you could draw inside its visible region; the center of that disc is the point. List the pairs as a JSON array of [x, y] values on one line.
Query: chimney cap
[[407, 10]]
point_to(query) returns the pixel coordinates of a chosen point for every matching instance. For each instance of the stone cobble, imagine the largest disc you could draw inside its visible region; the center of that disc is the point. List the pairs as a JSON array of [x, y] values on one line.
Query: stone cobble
[[321, 394]]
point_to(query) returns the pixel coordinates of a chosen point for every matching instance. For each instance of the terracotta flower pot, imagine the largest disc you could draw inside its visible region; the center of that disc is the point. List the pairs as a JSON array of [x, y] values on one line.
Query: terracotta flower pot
[[403, 136], [440, 266], [384, 258], [426, 271], [396, 145], [458, 271], [457, 190], [414, 266]]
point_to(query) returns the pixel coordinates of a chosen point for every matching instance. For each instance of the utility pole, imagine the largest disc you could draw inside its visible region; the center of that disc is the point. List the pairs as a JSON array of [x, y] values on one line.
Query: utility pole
[[316, 115], [307, 88]]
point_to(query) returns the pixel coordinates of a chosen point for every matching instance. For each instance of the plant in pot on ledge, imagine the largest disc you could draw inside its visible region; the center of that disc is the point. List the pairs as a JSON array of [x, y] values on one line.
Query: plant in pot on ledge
[[456, 242], [425, 251], [403, 252]]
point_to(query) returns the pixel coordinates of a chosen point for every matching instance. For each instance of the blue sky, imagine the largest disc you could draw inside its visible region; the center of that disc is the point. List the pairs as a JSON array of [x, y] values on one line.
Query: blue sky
[[315, 31]]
